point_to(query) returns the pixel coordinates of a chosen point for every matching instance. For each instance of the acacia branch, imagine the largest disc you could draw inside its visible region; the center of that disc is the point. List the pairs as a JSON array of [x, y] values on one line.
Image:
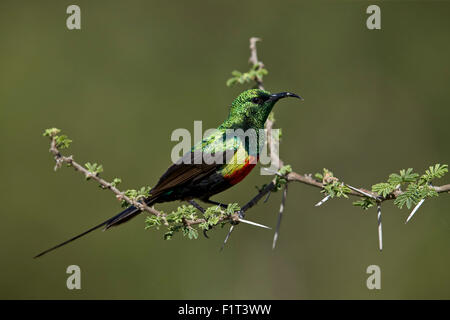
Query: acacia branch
[[309, 180], [254, 60], [281, 180], [121, 196], [60, 160]]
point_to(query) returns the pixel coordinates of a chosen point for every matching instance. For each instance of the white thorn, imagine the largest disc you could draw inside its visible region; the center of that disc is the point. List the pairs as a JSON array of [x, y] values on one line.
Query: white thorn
[[414, 210], [254, 223], [280, 215], [321, 202], [227, 236], [362, 192], [380, 228]]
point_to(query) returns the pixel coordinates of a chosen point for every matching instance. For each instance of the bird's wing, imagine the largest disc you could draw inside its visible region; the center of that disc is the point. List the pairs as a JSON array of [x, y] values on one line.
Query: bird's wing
[[191, 167]]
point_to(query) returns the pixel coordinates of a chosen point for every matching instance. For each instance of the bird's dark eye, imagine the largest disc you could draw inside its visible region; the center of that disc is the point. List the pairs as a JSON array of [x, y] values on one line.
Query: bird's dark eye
[[257, 100]]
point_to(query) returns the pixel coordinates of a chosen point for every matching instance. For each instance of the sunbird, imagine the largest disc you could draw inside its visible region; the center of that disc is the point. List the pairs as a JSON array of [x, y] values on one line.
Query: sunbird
[[191, 177]]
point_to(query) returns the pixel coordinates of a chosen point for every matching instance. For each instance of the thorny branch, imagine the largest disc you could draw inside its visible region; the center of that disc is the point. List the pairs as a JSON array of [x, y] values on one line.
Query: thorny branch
[[274, 185], [307, 178], [60, 159], [254, 60]]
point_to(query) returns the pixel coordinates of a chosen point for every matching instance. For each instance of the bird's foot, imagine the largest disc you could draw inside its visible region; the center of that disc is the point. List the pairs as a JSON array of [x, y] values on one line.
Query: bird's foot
[[236, 220], [222, 205], [197, 206]]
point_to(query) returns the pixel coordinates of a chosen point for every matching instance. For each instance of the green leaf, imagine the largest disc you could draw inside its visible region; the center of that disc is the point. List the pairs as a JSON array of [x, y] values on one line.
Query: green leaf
[[51, 132], [232, 208], [62, 141], [152, 221], [231, 82], [256, 73], [404, 177], [190, 232], [383, 189], [434, 172], [94, 168], [413, 194], [168, 235], [116, 182], [364, 203]]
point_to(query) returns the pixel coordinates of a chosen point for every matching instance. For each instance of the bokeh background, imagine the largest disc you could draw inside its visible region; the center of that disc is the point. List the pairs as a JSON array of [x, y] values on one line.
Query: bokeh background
[[375, 102]]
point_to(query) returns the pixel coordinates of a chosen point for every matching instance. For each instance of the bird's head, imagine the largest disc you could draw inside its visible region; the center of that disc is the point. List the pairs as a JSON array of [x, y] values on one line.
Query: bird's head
[[252, 107]]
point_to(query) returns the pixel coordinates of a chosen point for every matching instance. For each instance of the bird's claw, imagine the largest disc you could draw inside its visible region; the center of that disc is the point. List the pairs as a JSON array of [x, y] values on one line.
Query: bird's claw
[[240, 215]]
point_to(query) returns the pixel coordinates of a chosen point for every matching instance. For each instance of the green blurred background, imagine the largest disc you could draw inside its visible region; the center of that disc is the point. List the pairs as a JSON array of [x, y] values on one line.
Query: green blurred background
[[375, 102]]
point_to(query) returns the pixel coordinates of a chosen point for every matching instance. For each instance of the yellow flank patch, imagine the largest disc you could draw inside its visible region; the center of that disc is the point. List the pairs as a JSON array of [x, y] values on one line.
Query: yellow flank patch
[[237, 162]]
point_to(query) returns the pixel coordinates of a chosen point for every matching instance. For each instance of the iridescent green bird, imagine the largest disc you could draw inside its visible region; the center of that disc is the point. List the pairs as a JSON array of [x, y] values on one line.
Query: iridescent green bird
[[213, 165]]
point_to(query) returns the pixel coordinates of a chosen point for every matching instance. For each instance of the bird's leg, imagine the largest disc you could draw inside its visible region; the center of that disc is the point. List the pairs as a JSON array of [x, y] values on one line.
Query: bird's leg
[[202, 210], [223, 205], [197, 206]]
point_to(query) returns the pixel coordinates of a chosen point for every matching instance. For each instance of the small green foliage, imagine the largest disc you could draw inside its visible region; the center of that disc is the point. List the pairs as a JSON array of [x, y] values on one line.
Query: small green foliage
[[416, 187], [133, 194], [182, 212], [190, 232], [436, 172], [187, 212], [405, 176], [211, 216], [326, 176], [143, 192], [152, 221], [136, 195], [93, 168], [181, 219], [280, 134], [256, 73], [365, 203], [336, 189], [232, 208], [331, 185], [285, 170], [383, 188], [175, 216], [171, 230], [318, 176], [413, 194], [281, 177], [62, 141], [116, 182], [51, 132]]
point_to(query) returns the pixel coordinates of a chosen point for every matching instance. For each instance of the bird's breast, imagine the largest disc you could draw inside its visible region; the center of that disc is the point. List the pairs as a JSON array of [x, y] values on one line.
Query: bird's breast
[[235, 171]]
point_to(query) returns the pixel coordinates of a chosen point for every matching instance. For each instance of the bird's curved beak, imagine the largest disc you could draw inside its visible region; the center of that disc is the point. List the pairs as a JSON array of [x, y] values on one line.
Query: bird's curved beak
[[277, 96]]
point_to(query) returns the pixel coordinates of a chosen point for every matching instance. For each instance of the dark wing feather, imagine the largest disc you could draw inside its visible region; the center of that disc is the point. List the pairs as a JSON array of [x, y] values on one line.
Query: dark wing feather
[[190, 167]]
